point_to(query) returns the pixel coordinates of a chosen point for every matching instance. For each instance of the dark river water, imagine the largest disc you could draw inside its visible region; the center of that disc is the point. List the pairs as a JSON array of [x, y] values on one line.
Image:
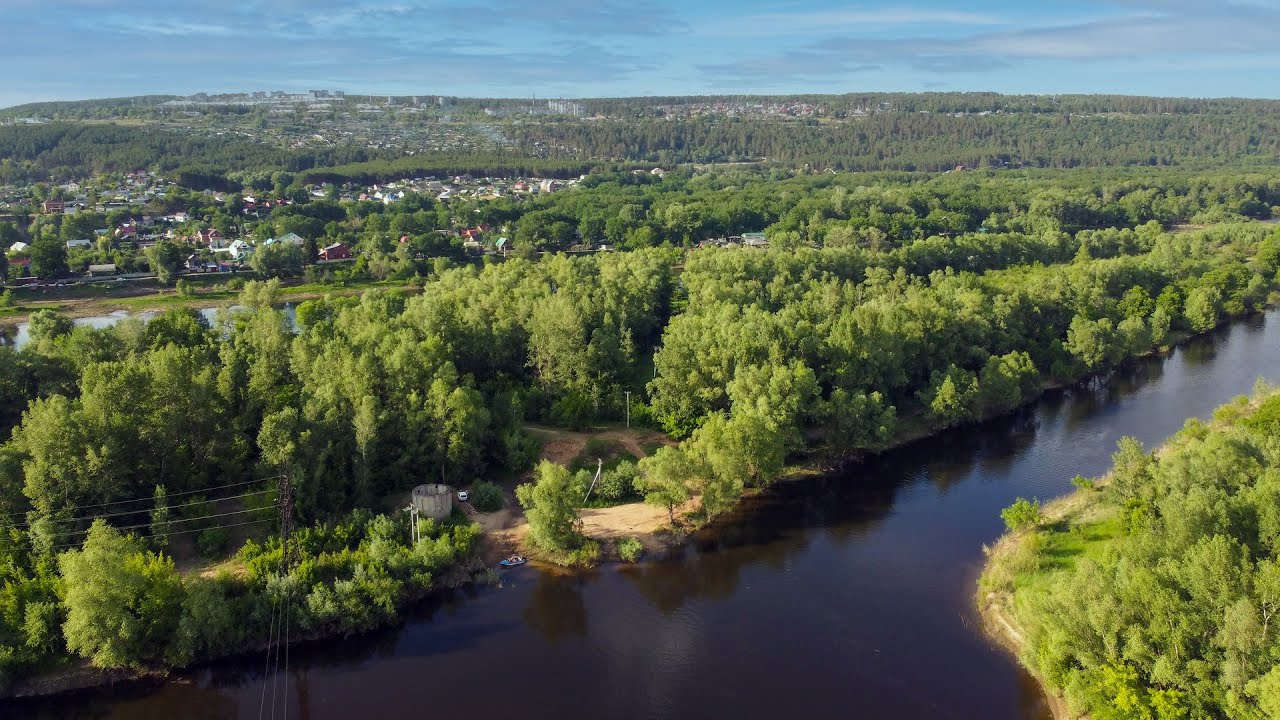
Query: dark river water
[[844, 596]]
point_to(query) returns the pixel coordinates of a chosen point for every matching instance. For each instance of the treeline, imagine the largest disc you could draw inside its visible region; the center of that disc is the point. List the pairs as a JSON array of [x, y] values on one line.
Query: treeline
[[64, 151], [476, 165], [1164, 607], [930, 142], [878, 212], [947, 102], [928, 132]]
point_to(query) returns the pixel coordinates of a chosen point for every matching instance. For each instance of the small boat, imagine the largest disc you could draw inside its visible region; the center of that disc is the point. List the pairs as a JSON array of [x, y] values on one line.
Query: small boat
[[513, 561]]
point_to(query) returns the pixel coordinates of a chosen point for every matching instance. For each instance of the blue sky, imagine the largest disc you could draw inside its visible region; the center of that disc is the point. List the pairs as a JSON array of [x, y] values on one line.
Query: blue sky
[[74, 49]]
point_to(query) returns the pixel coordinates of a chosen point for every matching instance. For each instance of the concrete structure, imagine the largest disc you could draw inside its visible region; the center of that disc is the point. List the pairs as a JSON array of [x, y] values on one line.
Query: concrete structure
[[433, 500]]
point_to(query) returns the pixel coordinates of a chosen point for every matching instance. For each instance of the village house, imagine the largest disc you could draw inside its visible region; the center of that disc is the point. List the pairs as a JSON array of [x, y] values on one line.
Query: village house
[[209, 237], [288, 239], [336, 251], [238, 249], [54, 206]]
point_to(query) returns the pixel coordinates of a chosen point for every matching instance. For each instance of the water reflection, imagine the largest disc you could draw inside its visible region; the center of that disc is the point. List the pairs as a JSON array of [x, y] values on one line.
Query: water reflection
[[18, 335], [555, 607]]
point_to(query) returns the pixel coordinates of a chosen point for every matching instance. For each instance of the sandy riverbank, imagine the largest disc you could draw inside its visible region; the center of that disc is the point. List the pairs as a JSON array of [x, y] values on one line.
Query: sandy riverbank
[[995, 595]]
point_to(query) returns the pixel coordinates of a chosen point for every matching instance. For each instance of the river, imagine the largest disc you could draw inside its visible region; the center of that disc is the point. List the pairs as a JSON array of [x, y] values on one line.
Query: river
[[840, 596], [18, 335]]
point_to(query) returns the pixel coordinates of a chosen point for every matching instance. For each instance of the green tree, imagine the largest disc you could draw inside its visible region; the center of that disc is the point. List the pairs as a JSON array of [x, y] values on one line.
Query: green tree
[[165, 258], [952, 396], [1022, 514], [1093, 342], [551, 507], [160, 518], [277, 260], [123, 603], [48, 257], [1203, 306], [664, 479]]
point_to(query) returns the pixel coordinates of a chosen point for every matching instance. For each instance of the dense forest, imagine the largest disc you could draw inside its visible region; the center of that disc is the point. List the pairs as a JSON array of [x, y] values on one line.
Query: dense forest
[[885, 306], [1176, 553], [923, 141], [926, 132]]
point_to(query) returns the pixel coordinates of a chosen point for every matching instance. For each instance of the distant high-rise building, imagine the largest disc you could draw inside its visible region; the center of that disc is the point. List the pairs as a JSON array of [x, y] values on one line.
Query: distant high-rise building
[[565, 107], [340, 94]]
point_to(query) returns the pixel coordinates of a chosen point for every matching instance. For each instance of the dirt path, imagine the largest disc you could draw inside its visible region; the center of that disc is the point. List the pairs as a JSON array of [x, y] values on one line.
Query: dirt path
[[563, 446]]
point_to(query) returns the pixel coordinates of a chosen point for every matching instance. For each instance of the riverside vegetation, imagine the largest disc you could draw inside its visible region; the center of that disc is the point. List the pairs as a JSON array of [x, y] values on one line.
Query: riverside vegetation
[[867, 320], [1152, 593]]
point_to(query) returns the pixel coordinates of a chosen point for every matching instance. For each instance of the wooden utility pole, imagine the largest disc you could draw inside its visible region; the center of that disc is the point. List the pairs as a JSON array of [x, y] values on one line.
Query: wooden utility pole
[[628, 393]]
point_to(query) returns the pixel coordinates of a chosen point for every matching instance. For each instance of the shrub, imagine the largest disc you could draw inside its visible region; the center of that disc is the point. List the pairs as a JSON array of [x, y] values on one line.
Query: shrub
[[486, 496], [1022, 514], [618, 483], [587, 555], [1083, 483], [630, 549], [213, 542]]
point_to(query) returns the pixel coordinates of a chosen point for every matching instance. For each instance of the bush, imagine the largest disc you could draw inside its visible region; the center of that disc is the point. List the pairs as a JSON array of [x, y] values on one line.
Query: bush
[[486, 496], [630, 549], [213, 542], [587, 555], [619, 483], [1022, 514], [1083, 483]]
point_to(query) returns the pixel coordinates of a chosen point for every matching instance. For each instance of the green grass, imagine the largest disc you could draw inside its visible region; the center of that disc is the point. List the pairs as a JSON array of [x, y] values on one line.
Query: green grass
[[1061, 546]]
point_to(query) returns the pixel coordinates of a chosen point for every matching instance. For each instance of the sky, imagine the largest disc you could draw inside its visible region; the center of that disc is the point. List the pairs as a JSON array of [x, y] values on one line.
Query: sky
[[78, 49]]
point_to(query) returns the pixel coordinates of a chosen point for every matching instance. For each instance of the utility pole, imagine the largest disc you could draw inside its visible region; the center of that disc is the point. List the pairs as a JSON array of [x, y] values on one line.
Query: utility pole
[[286, 520], [414, 532], [628, 393], [594, 480]]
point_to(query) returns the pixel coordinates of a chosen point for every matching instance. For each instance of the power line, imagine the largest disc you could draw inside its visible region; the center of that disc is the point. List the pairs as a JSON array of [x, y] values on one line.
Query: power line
[[27, 526], [172, 522], [180, 532], [152, 499]]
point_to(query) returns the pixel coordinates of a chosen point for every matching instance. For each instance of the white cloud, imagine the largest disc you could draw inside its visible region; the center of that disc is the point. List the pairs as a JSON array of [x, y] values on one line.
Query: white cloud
[[769, 24]]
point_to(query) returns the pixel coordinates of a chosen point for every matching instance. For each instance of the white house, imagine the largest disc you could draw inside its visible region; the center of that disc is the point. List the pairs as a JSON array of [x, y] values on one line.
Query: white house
[[18, 247], [238, 249], [288, 239]]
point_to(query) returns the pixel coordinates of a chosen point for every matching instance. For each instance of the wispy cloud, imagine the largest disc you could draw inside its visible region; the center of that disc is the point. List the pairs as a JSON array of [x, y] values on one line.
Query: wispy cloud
[[784, 23], [1235, 29]]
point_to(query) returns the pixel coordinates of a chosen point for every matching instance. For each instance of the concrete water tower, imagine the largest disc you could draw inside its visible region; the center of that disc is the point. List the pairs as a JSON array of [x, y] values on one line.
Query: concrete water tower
[[433, 500]]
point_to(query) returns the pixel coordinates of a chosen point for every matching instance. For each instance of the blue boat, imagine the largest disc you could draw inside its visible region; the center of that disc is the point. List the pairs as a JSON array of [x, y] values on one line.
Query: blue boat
[[513, 561]]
